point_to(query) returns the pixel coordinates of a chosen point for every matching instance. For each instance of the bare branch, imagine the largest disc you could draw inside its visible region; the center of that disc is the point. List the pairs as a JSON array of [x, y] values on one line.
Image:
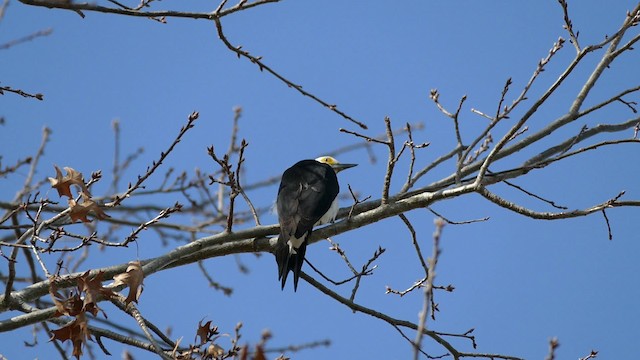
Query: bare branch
[[397, 322], [150, 170], [165, 213], [20, 92], [296, 348], [262, 66], [416, 245], [553, 345], [606, 219], [390, 163], [123, 10], [428, 290], [514, 129], [456, 222], [592, 355], [617, 97], [11, 169], [608, 57], [37, 34], [614, 202], [568, 25]]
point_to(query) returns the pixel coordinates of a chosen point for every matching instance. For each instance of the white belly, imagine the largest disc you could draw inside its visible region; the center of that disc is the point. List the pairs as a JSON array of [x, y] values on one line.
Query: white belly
[[329, 216]]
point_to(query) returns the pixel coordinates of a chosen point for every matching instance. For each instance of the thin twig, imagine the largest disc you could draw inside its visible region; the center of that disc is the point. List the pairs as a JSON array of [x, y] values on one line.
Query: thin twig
[[515, 128], [416, 245], [448, 221], [24, 94], [606, 219], [592, 355], [428, 290], [549, 215], [390, 163], [397, 322], [11, 169], [356, 201], [262, 66], [568, 25], [150, 170], [553, 345], [37, 34], [550, 202], [296, 348]]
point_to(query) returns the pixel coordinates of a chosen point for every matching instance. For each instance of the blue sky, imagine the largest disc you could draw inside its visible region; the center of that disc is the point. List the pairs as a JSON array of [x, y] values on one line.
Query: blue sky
[[519, 282]]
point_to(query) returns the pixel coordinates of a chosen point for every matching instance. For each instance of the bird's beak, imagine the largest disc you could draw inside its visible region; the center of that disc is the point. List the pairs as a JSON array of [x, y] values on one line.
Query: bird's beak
[[340, 167]]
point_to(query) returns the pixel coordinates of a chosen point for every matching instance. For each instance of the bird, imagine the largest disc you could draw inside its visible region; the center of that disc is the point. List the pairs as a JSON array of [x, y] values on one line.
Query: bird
[[307, 197]]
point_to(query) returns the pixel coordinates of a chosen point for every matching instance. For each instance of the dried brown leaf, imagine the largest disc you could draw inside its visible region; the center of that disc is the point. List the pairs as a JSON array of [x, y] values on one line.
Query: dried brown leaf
[[71, 305], [79, 211], [93, 290], [63, 183], [206, 332], [133, 278], [77, 331], [203, 331]]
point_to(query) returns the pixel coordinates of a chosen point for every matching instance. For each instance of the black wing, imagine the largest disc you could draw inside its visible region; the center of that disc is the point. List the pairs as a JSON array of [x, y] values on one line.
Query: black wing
[[306, 192]]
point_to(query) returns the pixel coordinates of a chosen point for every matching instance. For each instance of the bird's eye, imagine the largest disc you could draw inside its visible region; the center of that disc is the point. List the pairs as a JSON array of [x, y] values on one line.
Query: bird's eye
[[327, 160]]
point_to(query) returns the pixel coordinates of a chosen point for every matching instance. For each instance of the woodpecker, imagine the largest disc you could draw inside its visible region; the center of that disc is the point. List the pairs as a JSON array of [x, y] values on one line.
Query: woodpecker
[[307, 197]]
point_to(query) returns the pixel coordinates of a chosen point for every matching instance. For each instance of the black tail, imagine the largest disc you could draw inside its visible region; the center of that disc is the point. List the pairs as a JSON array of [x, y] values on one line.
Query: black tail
[[288, 261]]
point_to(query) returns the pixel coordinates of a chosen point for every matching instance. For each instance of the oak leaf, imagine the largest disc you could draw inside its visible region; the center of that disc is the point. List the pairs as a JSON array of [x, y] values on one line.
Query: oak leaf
[[71, 305], [206, 331], [93, 290], [63, 183], [133, 278], [77, 331], [79, 211]]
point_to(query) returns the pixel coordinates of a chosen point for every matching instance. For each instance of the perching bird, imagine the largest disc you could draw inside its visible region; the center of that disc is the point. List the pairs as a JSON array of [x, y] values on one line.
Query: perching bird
[[307, 197]]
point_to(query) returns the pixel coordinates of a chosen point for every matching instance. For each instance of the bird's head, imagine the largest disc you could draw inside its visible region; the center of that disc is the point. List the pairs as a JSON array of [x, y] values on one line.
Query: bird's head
[[335, 164]]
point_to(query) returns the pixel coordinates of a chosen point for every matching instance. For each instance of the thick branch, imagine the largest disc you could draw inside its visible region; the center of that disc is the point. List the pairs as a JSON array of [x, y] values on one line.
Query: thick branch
[[90, 6]]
